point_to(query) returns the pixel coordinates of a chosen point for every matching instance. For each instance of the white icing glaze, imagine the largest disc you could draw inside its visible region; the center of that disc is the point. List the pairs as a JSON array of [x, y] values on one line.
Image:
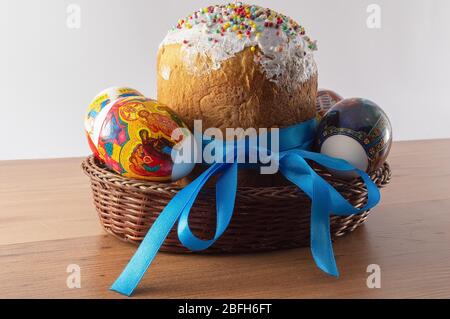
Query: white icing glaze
[[285, 60]]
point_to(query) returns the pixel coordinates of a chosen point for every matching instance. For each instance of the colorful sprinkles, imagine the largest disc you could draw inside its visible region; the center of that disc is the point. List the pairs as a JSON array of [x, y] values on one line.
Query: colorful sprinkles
[[246, 21]]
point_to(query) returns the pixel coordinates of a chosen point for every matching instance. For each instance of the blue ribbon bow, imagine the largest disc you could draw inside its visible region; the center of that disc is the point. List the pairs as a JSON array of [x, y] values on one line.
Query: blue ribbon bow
[[295, 141]]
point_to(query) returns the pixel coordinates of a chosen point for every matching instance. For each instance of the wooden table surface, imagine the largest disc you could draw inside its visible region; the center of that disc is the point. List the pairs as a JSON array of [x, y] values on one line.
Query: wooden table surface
[[47, 221]]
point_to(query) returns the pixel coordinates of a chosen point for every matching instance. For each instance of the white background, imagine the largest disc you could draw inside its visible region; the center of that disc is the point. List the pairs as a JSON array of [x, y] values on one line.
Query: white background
[[49, 73]]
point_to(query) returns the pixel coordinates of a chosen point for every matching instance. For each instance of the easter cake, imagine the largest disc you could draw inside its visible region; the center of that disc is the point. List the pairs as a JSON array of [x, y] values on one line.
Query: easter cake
[[238, 65], [234, 66]]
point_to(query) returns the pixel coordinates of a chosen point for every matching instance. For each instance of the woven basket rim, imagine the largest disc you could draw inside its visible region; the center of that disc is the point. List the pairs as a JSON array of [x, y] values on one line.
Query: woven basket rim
[[94, 169]]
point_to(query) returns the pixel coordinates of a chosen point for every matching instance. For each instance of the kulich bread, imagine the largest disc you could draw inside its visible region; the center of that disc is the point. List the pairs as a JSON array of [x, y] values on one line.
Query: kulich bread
[[238, 65], [236, 95]]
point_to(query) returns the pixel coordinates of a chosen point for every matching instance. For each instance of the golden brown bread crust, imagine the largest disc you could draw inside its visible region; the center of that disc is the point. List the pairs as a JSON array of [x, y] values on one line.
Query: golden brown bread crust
[[238, 94]]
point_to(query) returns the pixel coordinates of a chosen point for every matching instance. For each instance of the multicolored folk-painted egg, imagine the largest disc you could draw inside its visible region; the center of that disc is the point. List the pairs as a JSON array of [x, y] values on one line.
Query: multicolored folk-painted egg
[[325, 100], [104, 98], [141, 138], [358, 131]]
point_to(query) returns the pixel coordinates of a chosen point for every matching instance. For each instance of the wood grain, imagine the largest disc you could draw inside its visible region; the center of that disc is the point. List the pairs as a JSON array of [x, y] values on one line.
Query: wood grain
[[48, 222]]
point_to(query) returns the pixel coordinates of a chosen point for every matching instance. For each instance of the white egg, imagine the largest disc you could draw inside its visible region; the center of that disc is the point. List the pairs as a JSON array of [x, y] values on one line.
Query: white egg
[[346, 148]]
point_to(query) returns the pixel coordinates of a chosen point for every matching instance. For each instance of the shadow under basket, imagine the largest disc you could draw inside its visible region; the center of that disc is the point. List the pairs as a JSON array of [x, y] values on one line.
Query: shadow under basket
[[265, 218]]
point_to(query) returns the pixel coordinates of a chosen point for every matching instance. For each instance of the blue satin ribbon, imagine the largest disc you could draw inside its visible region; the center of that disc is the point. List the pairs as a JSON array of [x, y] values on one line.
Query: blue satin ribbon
[[295, 142]]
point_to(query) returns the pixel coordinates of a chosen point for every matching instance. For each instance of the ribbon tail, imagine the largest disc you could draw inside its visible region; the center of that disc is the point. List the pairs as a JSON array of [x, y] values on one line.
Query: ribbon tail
[[142, 259], [297, 170], [321, 244]]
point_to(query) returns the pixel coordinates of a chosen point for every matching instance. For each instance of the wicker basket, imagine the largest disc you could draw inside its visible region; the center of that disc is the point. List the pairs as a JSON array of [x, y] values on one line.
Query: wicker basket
[[265, 218]]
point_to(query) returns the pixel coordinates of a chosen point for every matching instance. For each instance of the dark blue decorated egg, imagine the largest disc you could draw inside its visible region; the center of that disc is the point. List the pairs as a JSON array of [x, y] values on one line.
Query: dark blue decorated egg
[[358, 131]]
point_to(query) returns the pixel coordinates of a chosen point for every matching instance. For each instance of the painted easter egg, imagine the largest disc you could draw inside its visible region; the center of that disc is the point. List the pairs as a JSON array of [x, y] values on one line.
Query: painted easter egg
[[325, 100], [101, 101], [141, 138], [356, 130]]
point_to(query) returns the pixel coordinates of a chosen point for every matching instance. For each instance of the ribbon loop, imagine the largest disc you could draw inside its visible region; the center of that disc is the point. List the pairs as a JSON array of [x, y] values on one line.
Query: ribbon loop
[[225, 197]]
